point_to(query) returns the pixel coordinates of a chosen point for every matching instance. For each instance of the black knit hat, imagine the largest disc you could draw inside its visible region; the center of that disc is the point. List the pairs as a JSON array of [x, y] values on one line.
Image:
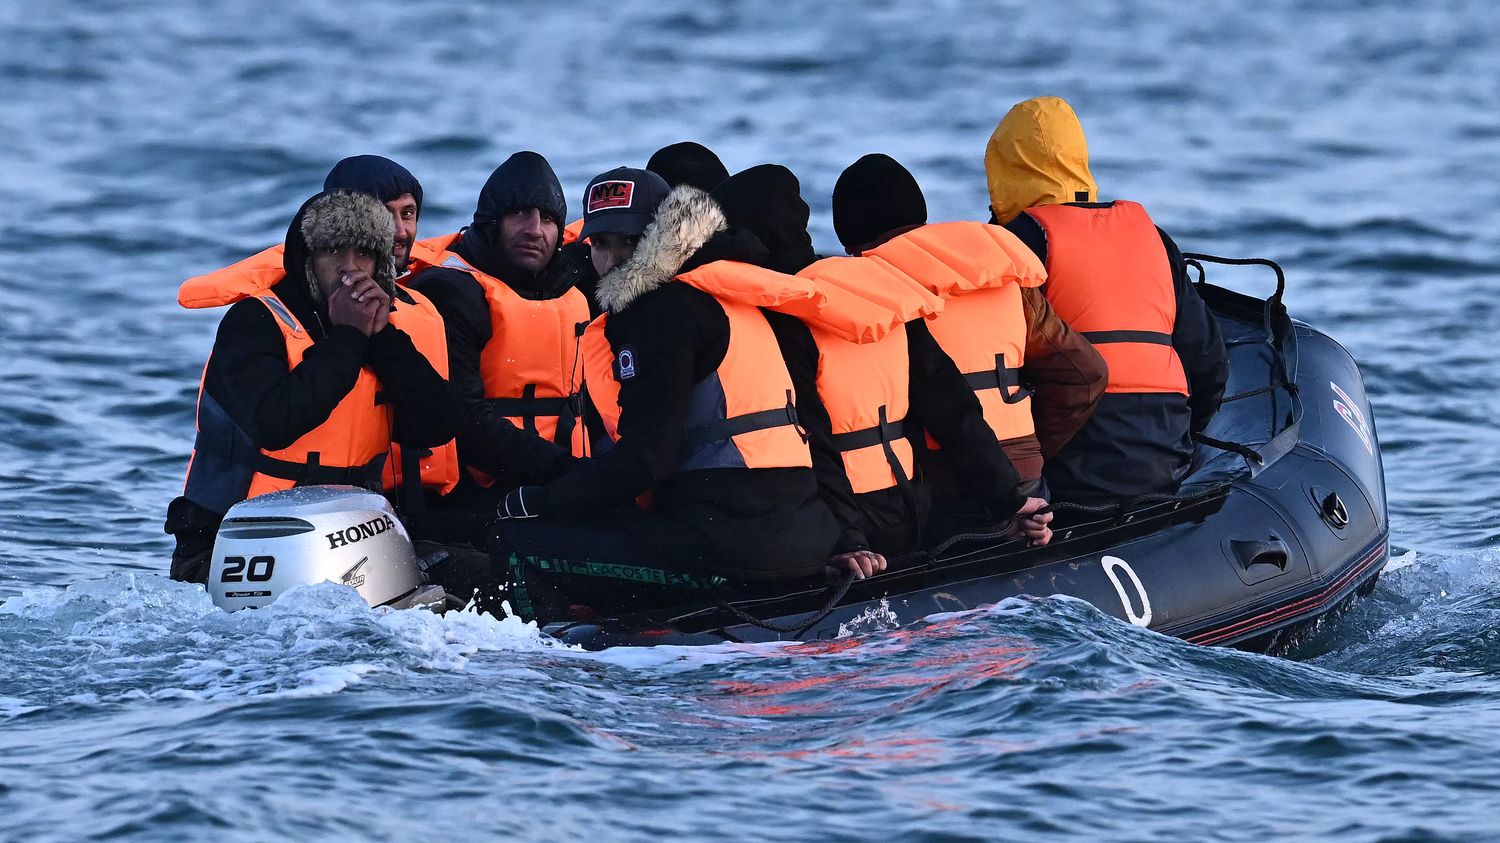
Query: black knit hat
[[874, 196], [525, 180], [766, 200], [688, 163], [380, 177]]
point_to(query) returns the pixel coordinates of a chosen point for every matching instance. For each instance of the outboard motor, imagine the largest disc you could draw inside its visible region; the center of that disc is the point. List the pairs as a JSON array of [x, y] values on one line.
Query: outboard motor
[[309, 534]]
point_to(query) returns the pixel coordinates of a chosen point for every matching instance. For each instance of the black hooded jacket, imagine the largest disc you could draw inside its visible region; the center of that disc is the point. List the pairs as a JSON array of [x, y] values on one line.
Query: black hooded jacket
[[275, 404], [759, 522], [485, 438]]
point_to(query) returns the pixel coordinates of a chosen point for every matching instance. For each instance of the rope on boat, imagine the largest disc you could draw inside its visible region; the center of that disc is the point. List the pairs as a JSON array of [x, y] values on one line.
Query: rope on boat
[[839, 590]]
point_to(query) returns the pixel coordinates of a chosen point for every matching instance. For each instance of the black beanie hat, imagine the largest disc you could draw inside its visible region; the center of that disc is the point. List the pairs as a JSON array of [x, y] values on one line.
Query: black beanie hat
[[688, 163], [379, 177], [766, 200], [875, 195], [525, 180]]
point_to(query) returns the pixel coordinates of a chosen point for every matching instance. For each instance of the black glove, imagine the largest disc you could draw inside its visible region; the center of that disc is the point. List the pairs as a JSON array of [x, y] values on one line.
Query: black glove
[[514, 505]]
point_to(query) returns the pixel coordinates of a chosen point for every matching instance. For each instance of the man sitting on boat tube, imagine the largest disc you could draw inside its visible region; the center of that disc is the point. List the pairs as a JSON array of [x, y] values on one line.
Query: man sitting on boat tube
[[709, 481], [865, 385], [1036, 380], [1120, 281], [314, 380], [513, 315]]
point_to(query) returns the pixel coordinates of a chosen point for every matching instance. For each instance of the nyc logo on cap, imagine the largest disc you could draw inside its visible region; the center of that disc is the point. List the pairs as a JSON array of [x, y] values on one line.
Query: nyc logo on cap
[[610, 194]]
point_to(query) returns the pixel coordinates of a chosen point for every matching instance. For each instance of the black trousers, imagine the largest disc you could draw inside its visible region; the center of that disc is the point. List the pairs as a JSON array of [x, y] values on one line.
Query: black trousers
[[549, 570]]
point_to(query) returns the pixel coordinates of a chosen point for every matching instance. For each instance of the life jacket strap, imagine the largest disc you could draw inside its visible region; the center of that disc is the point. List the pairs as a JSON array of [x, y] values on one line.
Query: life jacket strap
[[1002, 378], [313, 473], [883, 434], [1148, 337], [886, 431], [706, 434], [529, 408]]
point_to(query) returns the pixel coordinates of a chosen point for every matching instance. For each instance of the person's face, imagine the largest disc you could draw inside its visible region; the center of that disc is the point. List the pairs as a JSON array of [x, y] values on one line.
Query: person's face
[[404, 209], [608, 249], [528, 238], [331, 265]]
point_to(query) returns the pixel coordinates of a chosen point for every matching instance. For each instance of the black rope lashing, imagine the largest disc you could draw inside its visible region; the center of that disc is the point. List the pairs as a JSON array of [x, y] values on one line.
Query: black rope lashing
[[839, 590], [1245, 451]]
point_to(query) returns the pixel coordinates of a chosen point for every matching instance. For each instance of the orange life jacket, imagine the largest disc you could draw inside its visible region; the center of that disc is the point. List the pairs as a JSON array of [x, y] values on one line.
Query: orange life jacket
[[349, 447], [437, 467], [980, 269], [257, 273], [418, 318], [865, 390], [1108, 277], [571, 231], [864, 374], [531, 365], [742, 416]]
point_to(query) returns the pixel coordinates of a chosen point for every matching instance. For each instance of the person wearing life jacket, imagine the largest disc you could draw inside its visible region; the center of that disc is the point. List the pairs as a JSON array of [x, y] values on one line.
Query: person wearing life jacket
[[856, 390], [680, 163], [311, 381], [709, 483], [688, 162], [1119, 280], [1051, 379], [423, 475], [513, 318], [617, 206]]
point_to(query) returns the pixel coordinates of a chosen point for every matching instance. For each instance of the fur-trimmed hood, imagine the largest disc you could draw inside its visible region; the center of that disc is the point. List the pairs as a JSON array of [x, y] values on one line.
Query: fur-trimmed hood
[[341, 219], [685, 221]]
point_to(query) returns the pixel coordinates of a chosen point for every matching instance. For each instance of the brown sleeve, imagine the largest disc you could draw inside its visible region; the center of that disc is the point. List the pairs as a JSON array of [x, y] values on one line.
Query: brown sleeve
[[1066, 374]]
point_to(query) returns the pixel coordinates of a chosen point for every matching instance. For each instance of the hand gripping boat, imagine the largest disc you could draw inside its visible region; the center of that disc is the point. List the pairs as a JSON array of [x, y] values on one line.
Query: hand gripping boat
[[1281, 521]]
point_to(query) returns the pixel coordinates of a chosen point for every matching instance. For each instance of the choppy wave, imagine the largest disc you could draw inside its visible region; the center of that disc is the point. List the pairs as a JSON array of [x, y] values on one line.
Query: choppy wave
[[146, 143]]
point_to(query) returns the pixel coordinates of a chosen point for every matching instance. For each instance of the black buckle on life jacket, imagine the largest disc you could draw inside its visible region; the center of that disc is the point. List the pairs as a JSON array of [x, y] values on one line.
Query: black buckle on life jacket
[[884, 434], [1002, 378], [314, 473], [528, 408]]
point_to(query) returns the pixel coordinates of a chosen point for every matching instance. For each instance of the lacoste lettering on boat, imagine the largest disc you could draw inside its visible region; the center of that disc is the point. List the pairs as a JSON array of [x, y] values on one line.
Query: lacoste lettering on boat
[[359, 532]]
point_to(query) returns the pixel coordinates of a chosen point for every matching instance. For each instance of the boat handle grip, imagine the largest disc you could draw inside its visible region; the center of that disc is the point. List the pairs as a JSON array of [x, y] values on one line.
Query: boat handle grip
[[1272, 551]]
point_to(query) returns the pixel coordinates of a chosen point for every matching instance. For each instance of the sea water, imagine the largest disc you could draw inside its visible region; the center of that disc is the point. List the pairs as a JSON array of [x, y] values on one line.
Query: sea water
[[1355, 142]]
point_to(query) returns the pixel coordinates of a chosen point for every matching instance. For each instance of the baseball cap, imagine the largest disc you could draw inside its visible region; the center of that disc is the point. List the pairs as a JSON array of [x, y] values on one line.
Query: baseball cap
[[622, 201]]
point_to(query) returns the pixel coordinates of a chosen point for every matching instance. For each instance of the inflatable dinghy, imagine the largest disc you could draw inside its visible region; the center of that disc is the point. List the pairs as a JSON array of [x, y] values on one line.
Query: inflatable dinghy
[[1282, 521]]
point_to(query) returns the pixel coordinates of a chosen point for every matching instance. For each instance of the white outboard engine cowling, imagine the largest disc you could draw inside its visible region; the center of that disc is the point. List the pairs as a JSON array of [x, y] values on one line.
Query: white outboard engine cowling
[[310, 534]]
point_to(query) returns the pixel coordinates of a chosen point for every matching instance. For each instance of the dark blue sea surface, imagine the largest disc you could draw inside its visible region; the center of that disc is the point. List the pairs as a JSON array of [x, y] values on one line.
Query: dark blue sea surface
[[1356, 142]]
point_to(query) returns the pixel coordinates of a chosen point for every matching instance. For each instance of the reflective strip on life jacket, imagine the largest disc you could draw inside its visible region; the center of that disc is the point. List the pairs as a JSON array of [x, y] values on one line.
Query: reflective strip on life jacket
[[1109, 279], [349, 447], [531, 365]]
